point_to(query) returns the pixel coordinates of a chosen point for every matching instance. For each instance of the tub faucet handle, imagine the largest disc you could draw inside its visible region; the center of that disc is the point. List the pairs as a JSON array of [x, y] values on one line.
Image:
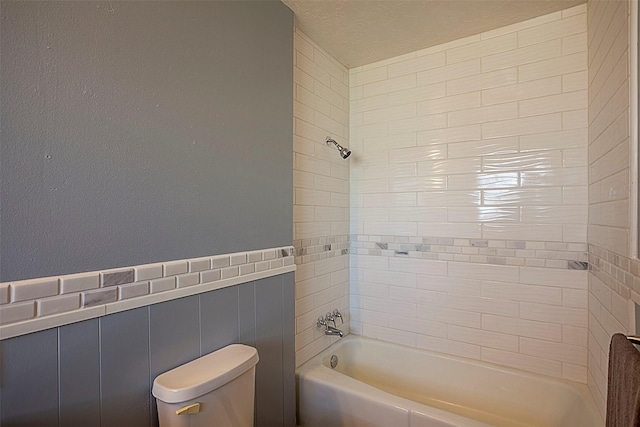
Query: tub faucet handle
[[321, 322], [336, 314], [330, 318]]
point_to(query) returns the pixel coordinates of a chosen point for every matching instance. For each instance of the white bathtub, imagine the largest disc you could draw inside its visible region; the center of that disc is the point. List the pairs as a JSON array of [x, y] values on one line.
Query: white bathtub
[[381, 384]]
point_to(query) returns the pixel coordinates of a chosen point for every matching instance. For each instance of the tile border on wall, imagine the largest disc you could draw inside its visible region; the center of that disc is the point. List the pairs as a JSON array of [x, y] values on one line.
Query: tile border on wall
[[620, 273], [33, 305], [557, 255], [318, 248]]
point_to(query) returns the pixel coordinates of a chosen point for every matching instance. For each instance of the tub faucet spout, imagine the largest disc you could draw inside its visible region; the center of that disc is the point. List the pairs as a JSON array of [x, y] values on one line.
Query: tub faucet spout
[[328, 330], [333, 331]]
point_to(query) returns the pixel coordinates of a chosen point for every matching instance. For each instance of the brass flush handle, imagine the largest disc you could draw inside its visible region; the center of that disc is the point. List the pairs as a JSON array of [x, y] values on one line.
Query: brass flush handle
[[194, 408]]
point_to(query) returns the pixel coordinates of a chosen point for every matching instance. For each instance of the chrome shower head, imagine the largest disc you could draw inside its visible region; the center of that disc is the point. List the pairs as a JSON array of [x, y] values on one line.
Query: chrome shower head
[[344, 151]]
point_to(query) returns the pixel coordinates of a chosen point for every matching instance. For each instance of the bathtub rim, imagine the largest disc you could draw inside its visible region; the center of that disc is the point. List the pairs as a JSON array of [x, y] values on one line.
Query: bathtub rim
[[314, 369]]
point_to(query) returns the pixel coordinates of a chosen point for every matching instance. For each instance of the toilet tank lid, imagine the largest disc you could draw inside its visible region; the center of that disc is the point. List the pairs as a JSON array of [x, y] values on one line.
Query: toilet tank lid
[[204, 374]]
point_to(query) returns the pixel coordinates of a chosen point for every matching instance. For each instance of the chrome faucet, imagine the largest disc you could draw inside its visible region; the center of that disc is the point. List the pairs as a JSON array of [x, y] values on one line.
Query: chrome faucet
[[329, 317], [336, 314], [333, 331]]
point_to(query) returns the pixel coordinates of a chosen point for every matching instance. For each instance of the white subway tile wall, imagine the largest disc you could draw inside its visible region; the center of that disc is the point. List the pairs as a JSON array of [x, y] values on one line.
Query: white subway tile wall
[[321, 186], [613, 280], [469, 197]]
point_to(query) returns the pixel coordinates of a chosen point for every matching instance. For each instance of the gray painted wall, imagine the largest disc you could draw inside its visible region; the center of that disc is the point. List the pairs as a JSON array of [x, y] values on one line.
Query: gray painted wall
[[99, 372], [135, 132]]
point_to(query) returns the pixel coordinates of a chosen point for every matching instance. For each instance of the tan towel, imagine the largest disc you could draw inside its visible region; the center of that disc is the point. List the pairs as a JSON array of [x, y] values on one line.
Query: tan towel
[[623, 388]]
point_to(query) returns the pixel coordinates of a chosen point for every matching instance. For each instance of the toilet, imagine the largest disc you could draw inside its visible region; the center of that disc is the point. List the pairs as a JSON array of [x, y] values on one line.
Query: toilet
[[217, 389]]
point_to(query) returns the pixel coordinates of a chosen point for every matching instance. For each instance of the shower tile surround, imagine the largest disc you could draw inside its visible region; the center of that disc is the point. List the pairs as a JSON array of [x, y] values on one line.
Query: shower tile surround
[[490, 143], [27, 305], [468, 197], [614, 286], [614, 279], [321, 194]]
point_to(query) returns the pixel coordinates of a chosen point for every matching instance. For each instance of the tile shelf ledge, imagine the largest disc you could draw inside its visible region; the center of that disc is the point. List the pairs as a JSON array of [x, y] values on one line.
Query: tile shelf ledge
[[36, 324]]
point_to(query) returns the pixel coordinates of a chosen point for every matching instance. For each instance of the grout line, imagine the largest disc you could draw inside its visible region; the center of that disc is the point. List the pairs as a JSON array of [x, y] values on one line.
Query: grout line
[[149, 380], [100, 383], [200, 322], [59, 382]]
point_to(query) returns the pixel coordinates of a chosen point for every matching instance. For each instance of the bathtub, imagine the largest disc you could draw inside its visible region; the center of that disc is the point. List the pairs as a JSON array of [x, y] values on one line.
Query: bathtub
[[380, 384]]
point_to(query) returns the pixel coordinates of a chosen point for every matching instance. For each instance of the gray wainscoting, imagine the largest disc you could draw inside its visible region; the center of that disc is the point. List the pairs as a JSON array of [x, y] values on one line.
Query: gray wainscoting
[[99, 372]]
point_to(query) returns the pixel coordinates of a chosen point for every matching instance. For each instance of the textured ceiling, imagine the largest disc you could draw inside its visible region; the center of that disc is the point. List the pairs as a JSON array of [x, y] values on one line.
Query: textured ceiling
[[358, 32]]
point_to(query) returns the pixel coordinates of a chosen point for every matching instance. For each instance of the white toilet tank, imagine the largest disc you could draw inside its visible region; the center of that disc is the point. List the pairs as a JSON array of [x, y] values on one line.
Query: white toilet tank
[[214, 390]]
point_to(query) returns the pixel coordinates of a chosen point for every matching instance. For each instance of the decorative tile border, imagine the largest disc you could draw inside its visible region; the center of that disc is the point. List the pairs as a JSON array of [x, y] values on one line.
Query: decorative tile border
[[317, 248], [572, 256], [618, 272], [35, 304], [560, 255]]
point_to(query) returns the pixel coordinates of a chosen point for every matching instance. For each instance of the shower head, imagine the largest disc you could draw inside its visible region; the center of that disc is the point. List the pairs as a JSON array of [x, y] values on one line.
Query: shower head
[[344, 151]]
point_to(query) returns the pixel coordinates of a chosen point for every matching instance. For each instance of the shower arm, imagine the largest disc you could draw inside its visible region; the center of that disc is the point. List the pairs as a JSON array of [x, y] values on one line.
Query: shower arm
[[344, 151]]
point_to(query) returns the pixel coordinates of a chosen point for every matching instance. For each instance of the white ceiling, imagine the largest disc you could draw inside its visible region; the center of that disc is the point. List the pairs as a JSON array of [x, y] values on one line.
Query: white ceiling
[[358, 32]]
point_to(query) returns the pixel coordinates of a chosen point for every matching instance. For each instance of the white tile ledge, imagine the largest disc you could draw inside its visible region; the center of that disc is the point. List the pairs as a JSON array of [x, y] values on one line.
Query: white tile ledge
[[36, 324]]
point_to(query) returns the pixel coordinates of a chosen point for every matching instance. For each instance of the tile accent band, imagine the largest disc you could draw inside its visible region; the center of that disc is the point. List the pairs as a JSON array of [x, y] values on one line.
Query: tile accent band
[[31, 312], [318, 248], [560, 255], [620, 273]]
